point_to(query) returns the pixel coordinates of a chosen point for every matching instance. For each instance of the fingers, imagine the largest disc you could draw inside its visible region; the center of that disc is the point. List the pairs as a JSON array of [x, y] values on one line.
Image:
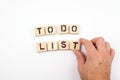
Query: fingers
[[100, 44], [112, 53], [107, 47], [80, 57], [104, 48], [95, 46], [89, 46]]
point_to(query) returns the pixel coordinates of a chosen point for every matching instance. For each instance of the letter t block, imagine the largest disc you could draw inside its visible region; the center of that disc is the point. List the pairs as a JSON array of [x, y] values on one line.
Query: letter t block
[[74, 45], [39, 31]]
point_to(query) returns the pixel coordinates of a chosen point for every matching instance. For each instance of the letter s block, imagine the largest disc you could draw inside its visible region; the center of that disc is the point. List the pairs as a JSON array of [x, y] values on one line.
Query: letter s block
[[63, 45]]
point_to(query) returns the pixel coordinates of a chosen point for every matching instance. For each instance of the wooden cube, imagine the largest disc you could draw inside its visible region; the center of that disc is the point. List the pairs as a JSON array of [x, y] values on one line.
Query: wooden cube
[[63, 45], [50, 30], [39, 31], [63, 29], [74, 29], [41, 47], [52, 46], [74, 45]]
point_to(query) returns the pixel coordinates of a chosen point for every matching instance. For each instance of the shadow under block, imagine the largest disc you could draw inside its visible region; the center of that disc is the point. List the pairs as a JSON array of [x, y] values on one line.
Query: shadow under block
[[74, 29], [39, 31], [52, 46], [63, 29], [63, 45], [41, 47], [50, 30], [74, 45]]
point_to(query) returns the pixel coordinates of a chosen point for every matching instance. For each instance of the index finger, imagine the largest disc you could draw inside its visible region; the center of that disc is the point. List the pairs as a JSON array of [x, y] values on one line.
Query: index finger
[[100, 43], [89, 46]]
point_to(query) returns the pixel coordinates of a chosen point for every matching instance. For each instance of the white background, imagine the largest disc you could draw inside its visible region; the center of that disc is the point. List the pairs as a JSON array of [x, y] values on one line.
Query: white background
[[18, 57]]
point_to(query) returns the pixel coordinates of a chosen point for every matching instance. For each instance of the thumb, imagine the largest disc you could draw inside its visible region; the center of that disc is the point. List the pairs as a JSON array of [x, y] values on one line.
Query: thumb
[[80, 57]]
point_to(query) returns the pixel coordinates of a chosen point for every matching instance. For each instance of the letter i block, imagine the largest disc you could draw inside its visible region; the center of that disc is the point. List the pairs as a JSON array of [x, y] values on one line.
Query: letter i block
[[41, 47], [39, 31], [63, 29], [50, 30], [74, 45], [74, 29], [52, 46], [63, 45]]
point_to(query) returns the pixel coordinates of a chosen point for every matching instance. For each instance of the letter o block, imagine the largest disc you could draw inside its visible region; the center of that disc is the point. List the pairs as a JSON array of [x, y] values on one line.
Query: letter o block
[[74, 29], [50, 30]]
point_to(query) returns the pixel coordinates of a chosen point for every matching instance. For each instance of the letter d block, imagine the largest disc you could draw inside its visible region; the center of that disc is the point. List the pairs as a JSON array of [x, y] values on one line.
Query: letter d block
[[63, 29], [41, 47], [74, 45], [39, 31], [74, 29]]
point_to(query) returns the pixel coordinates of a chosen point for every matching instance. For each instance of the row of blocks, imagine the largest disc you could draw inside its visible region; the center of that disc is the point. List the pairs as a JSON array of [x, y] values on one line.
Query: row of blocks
[[61, 29], [60, 45]]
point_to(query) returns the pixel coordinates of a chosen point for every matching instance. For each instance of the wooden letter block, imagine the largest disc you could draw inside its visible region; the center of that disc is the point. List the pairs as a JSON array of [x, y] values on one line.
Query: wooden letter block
[[63, 45], [39, 31], [74, 29], [74, 45], [52, 46], [63, 29], [50, 30], [41, 47]]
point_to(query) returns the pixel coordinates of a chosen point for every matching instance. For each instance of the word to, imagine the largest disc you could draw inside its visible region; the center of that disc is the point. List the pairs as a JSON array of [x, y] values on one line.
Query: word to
[[61, 29], [60, 45]]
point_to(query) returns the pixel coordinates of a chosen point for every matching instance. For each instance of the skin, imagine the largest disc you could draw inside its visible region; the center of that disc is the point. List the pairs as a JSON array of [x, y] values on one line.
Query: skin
[[97, 64]]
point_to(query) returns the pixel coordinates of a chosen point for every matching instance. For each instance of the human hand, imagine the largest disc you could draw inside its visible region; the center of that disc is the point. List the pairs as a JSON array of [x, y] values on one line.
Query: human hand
[[97, 64]]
